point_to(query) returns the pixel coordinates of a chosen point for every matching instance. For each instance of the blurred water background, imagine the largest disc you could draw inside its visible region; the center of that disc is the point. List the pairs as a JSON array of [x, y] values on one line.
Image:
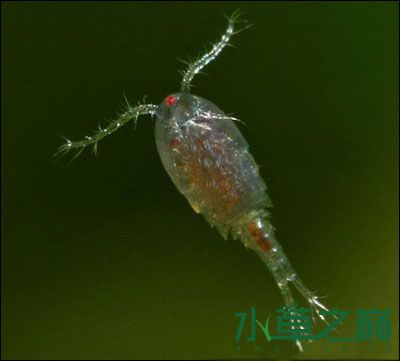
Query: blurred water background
[[105, 259]]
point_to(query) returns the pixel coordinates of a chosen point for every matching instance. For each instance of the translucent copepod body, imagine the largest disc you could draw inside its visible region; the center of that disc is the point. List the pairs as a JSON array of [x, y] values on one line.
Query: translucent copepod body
[[207, 158], [209, 161]]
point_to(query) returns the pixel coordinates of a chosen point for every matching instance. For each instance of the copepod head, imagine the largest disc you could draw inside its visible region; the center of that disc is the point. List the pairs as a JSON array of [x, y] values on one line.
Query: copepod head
[[177, 108]]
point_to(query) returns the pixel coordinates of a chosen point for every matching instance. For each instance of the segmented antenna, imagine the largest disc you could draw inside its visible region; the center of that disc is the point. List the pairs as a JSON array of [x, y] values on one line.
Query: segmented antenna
[[196, 66], [132, 113]]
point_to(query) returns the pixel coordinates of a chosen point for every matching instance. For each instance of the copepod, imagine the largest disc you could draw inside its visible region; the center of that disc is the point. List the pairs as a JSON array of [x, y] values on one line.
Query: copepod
[[209, 161]]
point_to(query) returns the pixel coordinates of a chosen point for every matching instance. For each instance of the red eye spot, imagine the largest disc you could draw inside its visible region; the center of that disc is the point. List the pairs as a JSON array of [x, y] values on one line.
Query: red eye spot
[[171, 100]]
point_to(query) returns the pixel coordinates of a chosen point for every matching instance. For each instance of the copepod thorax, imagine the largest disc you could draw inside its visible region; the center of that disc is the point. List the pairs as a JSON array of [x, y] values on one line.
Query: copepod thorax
[[207, 158]]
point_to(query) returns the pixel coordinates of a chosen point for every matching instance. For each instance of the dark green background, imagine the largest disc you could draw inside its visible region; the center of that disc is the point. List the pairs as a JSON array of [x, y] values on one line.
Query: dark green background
[[105, 259]]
